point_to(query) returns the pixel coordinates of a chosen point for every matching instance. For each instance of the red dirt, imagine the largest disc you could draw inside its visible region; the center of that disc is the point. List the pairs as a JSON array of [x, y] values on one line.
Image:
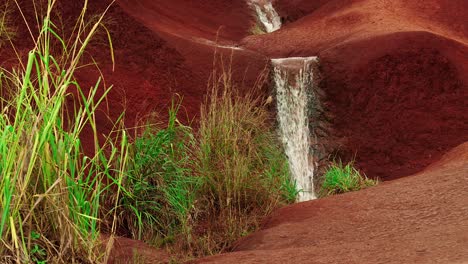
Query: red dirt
[[157, 58], [205, 19], [417, 219], [395, 75], [126, 250]]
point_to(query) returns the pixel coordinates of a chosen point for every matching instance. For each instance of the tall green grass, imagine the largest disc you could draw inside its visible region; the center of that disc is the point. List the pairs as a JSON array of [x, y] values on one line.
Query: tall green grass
[[197, 192], [240, 159], [161, 184], [50, 192]]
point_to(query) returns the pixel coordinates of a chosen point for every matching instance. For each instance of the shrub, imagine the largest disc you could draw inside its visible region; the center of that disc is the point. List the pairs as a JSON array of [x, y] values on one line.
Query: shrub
[[240, 159], [161, 186], [341, 178]]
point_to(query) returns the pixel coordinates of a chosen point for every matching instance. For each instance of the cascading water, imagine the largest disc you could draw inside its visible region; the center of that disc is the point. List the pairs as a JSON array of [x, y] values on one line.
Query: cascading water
[[294, 82], [266, 14]]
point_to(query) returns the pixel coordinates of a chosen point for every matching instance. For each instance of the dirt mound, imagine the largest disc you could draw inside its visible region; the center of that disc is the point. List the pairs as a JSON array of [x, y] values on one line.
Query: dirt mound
[[402, 109], [228, 20], [198, 29], [418, 219], [394, 73], [126, 250], [162, 49]]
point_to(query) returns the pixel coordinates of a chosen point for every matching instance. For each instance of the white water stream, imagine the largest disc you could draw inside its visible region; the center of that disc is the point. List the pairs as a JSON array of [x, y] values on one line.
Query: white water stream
[[294, 87], [294, 81], [266, 14]]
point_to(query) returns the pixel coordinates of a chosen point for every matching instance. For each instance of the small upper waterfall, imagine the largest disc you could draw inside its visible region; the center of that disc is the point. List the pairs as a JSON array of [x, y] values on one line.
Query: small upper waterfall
[[294, 81], [266, 14]]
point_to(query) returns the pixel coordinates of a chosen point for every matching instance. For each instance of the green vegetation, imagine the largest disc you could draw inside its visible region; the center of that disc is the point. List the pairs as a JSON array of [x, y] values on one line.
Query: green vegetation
[[197, 193], [160, 186], [194, 192], [341, 178], [244, 170], [257, 29], [51, 192]]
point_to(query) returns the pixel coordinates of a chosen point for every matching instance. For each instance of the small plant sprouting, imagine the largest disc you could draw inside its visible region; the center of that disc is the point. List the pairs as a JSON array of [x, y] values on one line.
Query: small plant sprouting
[[37, 254], [257, 29], [340, 178]]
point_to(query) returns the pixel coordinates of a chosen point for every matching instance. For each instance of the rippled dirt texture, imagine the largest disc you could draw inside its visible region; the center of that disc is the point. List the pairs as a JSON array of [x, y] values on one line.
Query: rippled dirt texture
[[395, 79], [395, 74], [419, 219]]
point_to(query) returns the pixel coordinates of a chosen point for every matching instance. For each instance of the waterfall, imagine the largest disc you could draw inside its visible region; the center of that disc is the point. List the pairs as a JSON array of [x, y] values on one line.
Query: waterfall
[[294, 82], [294, 90], [266, 14]]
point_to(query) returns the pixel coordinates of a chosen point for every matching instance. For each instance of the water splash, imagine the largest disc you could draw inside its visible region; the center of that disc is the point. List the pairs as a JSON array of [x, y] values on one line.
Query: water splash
[[294, 82], [266, 14], [294, 90]]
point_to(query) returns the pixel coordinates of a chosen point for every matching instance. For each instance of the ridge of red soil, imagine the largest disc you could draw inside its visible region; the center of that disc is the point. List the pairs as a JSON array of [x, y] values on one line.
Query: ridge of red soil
[[395, 75], [417, 219], [199, 29], [159, 57], [224, 19]]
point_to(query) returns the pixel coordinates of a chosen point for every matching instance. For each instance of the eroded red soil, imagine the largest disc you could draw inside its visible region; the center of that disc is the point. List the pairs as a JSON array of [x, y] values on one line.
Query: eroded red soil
[[418, 219], [394, 73], [395, 76]]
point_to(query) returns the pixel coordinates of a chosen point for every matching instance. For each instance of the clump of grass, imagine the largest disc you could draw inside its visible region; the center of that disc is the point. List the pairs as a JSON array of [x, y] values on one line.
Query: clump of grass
[[51, 193], [197, 193], [7, 29], [257, 29], [340, 178], [161, 185], [245, 173]]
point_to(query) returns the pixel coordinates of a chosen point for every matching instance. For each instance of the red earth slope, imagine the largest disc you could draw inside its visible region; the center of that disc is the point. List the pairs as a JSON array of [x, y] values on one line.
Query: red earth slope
[[163, 49], [418, 219], [395, 75]]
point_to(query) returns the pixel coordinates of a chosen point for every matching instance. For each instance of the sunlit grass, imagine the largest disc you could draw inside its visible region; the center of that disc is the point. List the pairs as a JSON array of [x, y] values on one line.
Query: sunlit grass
[[340, 178], [51, 192], [7, 29], [244, 169], [196, 191]]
